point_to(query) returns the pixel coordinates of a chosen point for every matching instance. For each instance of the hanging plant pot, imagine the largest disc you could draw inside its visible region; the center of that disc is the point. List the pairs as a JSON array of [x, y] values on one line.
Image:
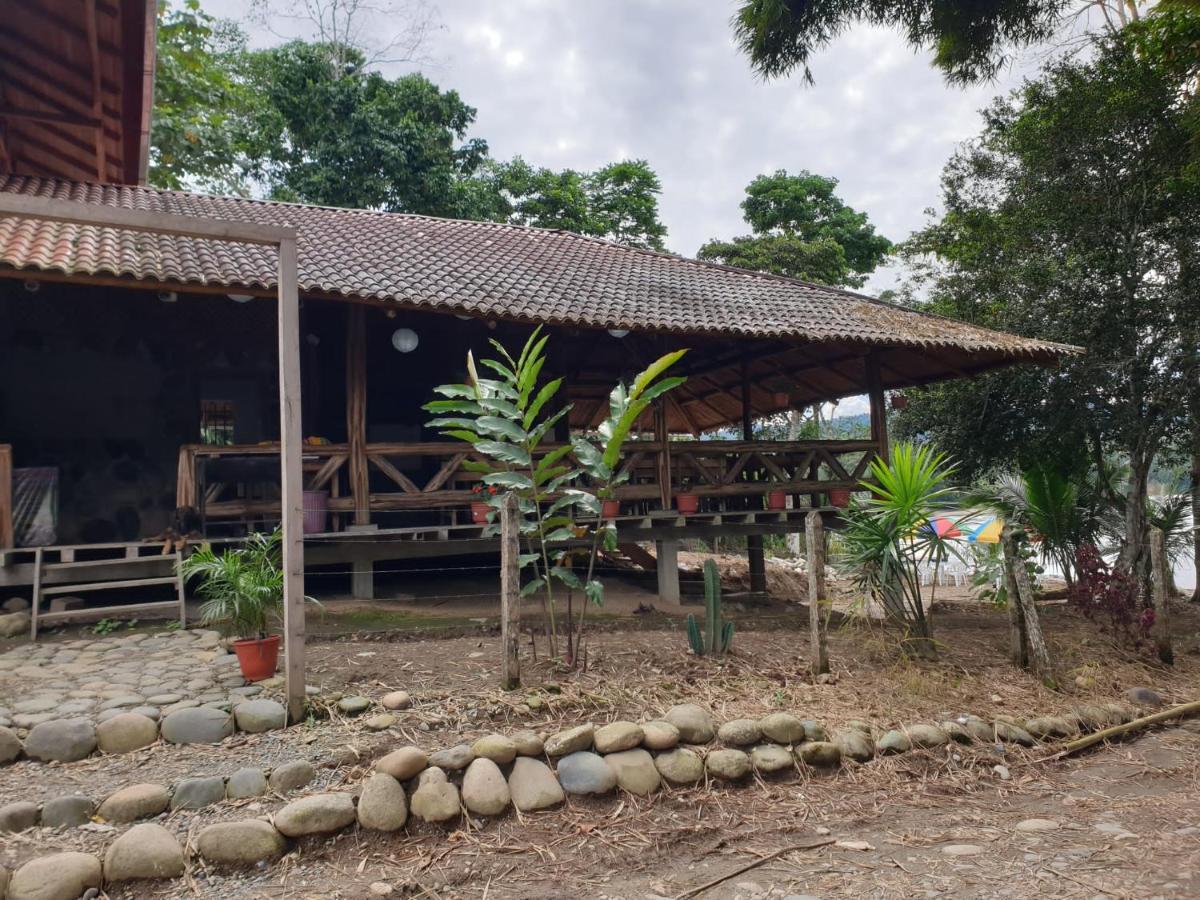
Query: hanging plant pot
[[610, 509], [839, 497], [899, 401], [777, 500], [687, 503], [479, 513], [257, 657]]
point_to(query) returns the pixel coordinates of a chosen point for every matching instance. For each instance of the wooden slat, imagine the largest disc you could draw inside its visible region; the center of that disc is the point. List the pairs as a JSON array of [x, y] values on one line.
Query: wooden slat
[[445, 473], [406, 483], [356, 410], [6, 521], [327, 471], [108, 610], [107, 585]]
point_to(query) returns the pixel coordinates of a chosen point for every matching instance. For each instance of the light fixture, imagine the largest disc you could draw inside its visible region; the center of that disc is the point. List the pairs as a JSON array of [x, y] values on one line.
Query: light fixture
[[464, 318], [405, 340], [618, 332], [312, 340], [33, 286], [168, 296], [241, 298]]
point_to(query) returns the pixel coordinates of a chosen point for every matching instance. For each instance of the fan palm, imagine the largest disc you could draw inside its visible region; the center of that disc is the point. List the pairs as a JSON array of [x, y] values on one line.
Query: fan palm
[[243, 587]]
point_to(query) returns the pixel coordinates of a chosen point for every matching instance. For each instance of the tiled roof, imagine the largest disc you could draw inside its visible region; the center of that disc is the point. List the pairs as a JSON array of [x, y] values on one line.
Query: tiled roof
[[481, 268]]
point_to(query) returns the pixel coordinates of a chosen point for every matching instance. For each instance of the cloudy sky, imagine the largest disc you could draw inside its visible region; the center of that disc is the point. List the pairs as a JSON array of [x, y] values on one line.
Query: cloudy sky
[[567, 83]]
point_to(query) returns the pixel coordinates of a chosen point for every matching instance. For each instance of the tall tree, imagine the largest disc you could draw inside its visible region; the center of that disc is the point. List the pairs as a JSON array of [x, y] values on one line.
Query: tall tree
[[1074, 216], [802, 229]]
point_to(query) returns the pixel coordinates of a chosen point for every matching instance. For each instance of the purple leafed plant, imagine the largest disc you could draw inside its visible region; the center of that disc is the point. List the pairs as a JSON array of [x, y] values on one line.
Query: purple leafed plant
[[1110, 598]]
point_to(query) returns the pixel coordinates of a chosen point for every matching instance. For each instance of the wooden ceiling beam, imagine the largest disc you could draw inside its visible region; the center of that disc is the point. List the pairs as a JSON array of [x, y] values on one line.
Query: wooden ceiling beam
[[93, 36], [53, 118]]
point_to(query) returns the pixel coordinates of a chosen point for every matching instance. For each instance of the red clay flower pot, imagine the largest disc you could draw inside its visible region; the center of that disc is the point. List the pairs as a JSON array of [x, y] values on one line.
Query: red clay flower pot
[[777, 500], [257, 657], [610, 509], [839, 497], [479, 513], [687, 504], [899, 401]]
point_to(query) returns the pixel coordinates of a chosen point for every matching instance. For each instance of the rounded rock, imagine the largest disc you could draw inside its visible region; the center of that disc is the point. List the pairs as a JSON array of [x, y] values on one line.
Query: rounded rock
[[381, 722], [246, 783], [61, 740], [855, 745], [10, 745], [635, 771], [434, 800], [694, 723], [893, 741], [617, 736], [144, 851], [318, 814], [396, 700], [18, 816], [728, 765], [126, 732], [496, 747], [484, 790], [291, 776], [528, 743], [680, 766], [60, 876], [585, 772], [573, 740], [67, 812], [403, 764], [382, 806], [240, 843], [1015, 734], [659, 735], [927, 737], [823, 754], [1036, 825], [353, 706], [771, 758], [739, 733], [259, 715], [453, 758], [197, 725], [197, 793], [533, 786], [1049, 727], [1144, 696], [138, 801], [782, 728]]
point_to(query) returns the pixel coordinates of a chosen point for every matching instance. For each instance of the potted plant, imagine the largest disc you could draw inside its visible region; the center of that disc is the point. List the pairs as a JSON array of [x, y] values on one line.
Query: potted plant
[[899, 401], [242, 590], [610, 509], [839, 497], [685, 501], [481, 507], [777, 500]]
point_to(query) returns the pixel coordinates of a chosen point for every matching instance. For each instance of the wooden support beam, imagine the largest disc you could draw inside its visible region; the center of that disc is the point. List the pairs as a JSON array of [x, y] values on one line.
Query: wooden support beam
[[6, 501], [356, 410], [49, 117], [755, 554], [878, 406], [97, 89], [663, 461], [814, 533], [510, 593], [667, 556]]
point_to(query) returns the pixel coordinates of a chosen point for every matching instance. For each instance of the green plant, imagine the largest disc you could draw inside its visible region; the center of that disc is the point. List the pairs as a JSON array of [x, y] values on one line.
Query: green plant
[[887, 538], [717, 636], [242, 587], [106, 626]]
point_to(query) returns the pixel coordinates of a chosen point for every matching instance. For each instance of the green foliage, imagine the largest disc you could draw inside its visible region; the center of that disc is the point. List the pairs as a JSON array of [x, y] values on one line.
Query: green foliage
[[802, 229], [886, 539], [717, 636]]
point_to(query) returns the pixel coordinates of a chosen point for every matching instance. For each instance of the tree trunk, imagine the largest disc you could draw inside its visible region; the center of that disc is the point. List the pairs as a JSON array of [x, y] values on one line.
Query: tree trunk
[[1161, 630], [1196, 501], [1134, 546], [1039, 654], [1018, 641]]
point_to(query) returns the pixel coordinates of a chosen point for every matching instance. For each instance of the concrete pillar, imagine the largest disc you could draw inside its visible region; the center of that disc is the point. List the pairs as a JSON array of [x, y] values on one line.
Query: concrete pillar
[[668, 571], [757, 563], [362, 572]]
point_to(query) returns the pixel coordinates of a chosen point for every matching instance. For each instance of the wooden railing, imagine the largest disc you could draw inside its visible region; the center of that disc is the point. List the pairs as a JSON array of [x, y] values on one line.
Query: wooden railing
[[431, 475]]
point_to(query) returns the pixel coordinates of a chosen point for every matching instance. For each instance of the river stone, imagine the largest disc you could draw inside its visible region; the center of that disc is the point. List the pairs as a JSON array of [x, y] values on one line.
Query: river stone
[[680, 766], [893, 742], [402, 764], [381, 722], [453, 758], [434, 800], [820, 754], [13, 624], [15, 604], [10, 745], [739, 733], [126, 732], [244, 783], [860, 725], [197, 793], [1036, 825], [67, 812], [353, 706], [926, 737], [1049, 727], [144, 851], [585, 772], [138, 801], [528, 743], [240, 843], [1091, 717], [980, 729], [956, 732], [533, 786], [382, 805], [259, 715], [814, 730], [1010, 733], [1144, 696], [63, 740], [635, 771], [18, 816], [855, 745], [782, 728], [962, 849], [617, 736], [432, 775], [496, 747], [1119, 713], [484, 790], [770, 758], [729, 765], [318, 814], [659, 735], [693, 722], [197, 725], [60, 876], [291, 776], [396, 700], [573, 740]]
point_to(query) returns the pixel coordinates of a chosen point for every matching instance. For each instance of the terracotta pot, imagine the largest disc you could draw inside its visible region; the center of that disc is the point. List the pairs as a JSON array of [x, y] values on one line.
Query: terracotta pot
[[777, 500], [257, 657], [479, 513], [610, 509], [839, 497], [899, 401], [687, 503]]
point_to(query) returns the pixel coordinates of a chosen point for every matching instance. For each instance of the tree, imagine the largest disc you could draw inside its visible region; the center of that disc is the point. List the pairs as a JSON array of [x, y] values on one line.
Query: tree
[[1075, 217], [971, 40], [802, 229]]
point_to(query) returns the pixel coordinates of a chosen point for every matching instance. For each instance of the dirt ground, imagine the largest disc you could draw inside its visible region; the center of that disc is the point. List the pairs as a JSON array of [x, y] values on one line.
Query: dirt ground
[[1127, 817]]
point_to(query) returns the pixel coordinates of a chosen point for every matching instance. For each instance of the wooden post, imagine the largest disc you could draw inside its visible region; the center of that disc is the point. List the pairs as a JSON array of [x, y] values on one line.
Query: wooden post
[[1039, 655], [291, 500], [510, 593], [356, 410], [878, 406], [1018, 642], [814, 532], [1161, 630], [662, 437], [7, 538], [667, 567], [755, 557]]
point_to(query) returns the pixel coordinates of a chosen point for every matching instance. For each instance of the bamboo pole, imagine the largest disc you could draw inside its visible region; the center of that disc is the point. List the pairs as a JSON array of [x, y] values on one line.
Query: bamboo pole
[[1183, 711], [814, 532], [510, 593], [1039, 655], [1160, 580]]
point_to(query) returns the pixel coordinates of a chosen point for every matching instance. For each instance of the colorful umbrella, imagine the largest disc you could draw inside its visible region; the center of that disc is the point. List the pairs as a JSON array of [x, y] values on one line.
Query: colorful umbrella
[[943, 527], [987, 532]]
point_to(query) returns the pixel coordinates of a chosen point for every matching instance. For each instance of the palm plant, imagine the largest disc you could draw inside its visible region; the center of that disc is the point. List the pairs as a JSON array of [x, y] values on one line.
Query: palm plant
[[1171, 514], [242, 587], [888, 538]]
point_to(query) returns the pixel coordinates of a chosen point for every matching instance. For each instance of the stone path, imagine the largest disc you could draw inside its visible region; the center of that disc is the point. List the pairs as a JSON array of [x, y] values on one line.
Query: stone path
[[98, 678]]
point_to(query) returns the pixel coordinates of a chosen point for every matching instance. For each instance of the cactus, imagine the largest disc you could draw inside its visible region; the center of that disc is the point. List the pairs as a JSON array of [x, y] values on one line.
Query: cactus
[[717, 636]]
